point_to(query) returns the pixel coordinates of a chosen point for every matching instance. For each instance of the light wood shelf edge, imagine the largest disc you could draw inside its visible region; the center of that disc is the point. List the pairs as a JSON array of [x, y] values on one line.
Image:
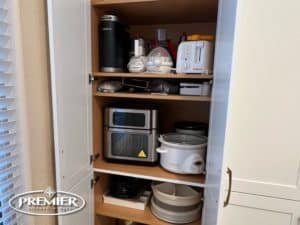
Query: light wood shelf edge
[[155, 75], [110, 2], [124, 213], [154, 96], [155, 173]]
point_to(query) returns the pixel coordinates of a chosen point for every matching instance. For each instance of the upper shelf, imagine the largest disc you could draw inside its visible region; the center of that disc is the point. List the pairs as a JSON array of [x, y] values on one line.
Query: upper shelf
[[160, 11], [155, 75], [113, 2]]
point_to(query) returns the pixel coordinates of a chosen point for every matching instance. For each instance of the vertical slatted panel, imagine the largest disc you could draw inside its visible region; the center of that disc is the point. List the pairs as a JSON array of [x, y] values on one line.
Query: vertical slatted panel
[[10, 179]]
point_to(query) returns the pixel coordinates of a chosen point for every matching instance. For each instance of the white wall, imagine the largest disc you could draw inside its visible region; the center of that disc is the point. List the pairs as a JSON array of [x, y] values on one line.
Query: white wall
[[36, 99]]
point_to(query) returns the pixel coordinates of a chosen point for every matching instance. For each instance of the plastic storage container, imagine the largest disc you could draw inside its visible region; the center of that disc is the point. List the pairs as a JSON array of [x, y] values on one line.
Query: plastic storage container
[[159, 61]]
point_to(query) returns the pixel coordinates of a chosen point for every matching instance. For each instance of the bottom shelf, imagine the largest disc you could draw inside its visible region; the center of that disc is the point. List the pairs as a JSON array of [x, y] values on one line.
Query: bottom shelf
[[139, 216]]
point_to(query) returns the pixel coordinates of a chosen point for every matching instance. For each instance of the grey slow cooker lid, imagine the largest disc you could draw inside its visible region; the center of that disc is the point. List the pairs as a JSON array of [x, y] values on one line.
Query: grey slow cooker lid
[[190, 125], [176, 194], [184, 139]]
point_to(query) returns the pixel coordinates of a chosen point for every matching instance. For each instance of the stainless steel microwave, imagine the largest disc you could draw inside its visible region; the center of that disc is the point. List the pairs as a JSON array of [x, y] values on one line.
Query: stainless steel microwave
[[131, 134]]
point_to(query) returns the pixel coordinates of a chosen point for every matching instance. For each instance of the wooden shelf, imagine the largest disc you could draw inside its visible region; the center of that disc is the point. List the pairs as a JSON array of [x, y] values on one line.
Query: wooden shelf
[[155, 75], [161, 11], [111, 2], [154, 96], [155, 173], [145, 217]]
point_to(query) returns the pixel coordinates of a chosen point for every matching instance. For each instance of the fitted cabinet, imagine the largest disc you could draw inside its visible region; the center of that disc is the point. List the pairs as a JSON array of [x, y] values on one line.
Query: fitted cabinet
[[263, 138], [240, 118], [78, 107], [247, 209], [263, 121]]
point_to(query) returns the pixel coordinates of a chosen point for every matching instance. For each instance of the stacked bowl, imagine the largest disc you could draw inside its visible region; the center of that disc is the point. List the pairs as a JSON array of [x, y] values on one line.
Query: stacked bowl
[[175, 203]]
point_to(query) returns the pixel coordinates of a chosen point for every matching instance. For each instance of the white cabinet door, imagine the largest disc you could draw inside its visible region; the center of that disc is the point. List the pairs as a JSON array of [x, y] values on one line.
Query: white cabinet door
[[245, 209], [263, 133], [213, 203], [69, 24], [70, 57], [86, 215]]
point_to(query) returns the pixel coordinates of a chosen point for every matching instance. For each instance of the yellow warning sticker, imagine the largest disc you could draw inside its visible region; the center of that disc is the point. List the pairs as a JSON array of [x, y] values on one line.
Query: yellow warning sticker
[[142, 154]]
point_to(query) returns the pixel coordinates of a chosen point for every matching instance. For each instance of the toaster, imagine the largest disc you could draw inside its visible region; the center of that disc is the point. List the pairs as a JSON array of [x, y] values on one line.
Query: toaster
[[195, 57]]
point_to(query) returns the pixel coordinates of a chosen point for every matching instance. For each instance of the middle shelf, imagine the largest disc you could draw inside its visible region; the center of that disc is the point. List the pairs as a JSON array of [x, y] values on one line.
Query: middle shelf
[[154, 96], [155, 173]]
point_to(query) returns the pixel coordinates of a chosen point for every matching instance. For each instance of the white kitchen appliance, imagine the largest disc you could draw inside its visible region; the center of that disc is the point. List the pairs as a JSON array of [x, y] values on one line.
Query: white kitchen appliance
[[182, 153], [137, 63], [196, 89], [195, 57], [190, 89]]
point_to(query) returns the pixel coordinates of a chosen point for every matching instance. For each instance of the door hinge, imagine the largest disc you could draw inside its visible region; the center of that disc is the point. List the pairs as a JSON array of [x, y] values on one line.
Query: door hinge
[[91, 78], [93, 158], [94, 181]]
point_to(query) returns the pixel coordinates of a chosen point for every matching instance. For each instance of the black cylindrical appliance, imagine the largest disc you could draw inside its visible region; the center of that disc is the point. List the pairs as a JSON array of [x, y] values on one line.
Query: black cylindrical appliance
[[114, 44]]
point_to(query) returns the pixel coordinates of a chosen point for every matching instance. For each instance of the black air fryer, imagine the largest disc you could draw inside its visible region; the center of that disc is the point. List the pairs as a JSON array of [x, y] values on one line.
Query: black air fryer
[[114, 44], [124, 187]]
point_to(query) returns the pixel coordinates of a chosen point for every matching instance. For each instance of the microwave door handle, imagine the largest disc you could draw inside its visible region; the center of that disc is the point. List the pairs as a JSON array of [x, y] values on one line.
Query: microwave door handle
[[190, 86], [129, 110], [120, 130], [134, 111]]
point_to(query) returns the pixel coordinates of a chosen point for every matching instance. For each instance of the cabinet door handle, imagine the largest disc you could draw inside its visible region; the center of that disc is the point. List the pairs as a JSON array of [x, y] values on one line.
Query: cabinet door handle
[[229, 172]]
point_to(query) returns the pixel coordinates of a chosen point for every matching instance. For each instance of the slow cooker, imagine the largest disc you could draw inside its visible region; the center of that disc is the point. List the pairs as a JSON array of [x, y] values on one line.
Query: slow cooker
[[183, 154]]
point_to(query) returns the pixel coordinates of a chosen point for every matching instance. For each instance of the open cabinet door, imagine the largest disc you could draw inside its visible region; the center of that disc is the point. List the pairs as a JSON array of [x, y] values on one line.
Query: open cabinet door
[[216, 165], [70, 57]]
